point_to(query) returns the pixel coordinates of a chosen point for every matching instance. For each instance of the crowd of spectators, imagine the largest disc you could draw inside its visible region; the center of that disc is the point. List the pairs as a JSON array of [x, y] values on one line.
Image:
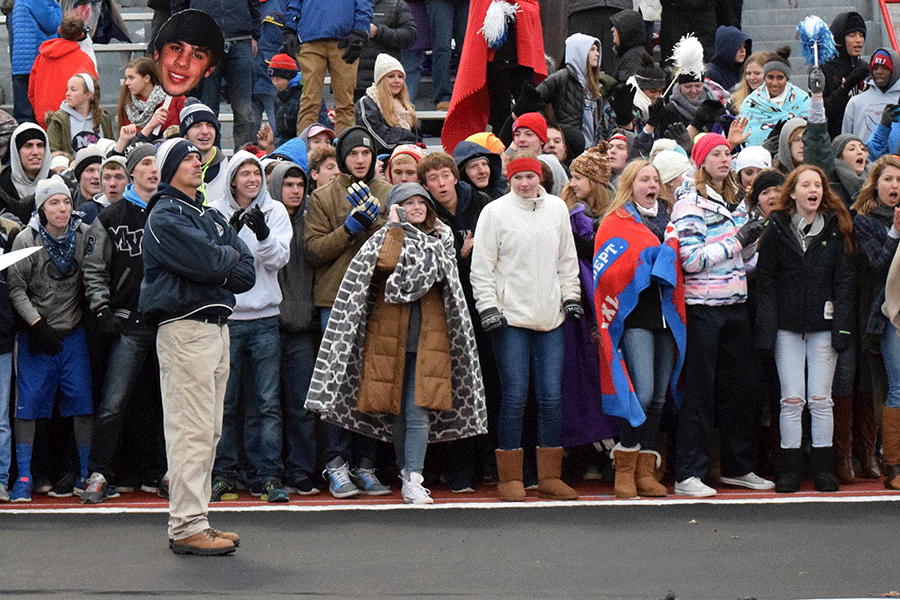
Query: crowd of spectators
[[611, 271]]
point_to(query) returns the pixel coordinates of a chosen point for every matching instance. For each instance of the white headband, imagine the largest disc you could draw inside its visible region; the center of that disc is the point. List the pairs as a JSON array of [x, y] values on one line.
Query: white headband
[[88, 81]]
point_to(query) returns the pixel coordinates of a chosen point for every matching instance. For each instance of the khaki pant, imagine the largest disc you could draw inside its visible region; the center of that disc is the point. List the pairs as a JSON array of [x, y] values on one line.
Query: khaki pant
[[313, 59], [193, 372]]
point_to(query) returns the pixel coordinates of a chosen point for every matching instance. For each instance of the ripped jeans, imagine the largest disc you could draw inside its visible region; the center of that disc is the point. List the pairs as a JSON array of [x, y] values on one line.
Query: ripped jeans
[[806, 364]]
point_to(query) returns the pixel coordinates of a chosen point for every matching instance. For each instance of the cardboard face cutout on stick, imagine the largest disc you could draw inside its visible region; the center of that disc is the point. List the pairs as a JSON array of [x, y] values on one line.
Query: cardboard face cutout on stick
[[187, 48]]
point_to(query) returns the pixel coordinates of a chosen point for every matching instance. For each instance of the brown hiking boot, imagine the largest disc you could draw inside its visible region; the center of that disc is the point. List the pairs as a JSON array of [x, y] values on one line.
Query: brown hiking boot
[[205, 543], [230, 536]]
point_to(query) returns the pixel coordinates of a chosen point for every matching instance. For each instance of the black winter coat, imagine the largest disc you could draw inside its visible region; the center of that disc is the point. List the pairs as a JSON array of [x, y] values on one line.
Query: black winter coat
[[836, 70], [794, 286], [396, 32], [386, 136], [565, 94], [877, 250], [632, 37]]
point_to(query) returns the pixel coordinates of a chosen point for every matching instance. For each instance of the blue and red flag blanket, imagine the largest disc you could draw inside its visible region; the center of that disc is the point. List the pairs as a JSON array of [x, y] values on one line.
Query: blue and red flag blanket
[[627, 257]]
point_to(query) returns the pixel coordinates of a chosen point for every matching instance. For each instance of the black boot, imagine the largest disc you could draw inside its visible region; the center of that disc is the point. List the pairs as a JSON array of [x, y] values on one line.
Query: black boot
[[791, 470], [822, 463]]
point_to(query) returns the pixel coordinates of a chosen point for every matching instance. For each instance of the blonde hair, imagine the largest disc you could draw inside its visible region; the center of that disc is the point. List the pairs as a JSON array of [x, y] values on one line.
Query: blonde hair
[[743, 90], [867, 200], [94, 104], [386, 103], [596, 202], [625, 188]]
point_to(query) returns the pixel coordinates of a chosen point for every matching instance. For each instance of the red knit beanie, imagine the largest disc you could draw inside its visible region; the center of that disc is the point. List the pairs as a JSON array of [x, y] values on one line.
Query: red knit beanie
[[282, 65], [704, 146], [533, 121], [518, 165]]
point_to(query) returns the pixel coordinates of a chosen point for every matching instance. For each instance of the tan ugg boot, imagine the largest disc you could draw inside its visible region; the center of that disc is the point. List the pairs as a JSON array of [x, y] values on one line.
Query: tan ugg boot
[[509, 472], [645, 475], [549, 468], [890, 447], [626, 463]]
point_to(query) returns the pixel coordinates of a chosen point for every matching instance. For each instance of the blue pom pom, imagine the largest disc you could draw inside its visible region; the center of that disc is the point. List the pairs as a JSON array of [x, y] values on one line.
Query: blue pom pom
[[815, 36]]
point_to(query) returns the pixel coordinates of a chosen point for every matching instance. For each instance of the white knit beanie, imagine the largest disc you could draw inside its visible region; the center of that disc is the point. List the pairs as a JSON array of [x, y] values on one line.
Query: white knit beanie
[[752, 156], [384, 64], [670, 164]]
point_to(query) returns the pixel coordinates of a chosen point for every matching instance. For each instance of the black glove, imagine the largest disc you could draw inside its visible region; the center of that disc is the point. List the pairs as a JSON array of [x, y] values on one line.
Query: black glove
[[679, 133], [236, 221], [856, 76], [607, 84], [622, 102], [890, 114], [492, 318], [43, 339], [291, 43], [108, 322], [256, 221], [354, 42], [528, 101], [816, 81], [751, 231], [840, 340], [707, 114], [573, 310], [655, 111]]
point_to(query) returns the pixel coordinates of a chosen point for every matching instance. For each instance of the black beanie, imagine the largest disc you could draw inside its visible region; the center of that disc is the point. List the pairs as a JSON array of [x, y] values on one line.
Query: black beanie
[[764, 180], [854, 22], [29, 134], [351, 138]]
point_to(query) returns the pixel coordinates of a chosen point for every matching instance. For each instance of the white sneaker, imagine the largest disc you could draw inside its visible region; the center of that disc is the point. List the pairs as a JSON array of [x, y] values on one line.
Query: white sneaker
[[413, 492], [692, 486], [750, 480]]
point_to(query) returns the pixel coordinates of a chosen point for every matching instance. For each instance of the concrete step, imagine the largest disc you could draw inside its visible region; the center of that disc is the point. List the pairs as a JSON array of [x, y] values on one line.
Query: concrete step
[[790, 16]]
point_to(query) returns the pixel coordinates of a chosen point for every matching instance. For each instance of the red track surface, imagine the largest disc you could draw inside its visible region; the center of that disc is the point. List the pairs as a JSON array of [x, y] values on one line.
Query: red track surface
[[589, 490]]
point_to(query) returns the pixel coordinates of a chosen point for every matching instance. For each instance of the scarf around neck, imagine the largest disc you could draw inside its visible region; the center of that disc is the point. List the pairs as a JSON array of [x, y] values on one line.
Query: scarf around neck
[[400, 112], [62, 249], [140, 111], [688, 108]]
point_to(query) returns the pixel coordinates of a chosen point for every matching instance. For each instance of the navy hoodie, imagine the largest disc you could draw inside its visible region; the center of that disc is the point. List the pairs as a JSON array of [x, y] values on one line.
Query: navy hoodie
[[466, 151], [722, 69]]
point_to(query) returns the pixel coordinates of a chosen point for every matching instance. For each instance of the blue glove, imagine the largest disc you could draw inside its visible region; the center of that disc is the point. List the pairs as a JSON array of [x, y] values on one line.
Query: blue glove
[[359, 194], [361, 218]]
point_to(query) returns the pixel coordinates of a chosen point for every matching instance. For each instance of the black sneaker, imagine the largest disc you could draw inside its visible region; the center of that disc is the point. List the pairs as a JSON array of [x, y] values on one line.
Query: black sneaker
[[222, 490], [65, 487], [303, 487], [42, 485]]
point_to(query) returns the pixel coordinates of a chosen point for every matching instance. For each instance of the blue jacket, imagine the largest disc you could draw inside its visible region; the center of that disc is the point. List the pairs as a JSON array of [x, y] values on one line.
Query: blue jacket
[[884, 141], [321, 19], [268, 44], [236, 18], [32, 22], [194, 262]]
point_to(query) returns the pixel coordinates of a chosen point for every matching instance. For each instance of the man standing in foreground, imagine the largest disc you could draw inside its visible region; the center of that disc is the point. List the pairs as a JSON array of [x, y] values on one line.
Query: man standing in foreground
[[194, 264]]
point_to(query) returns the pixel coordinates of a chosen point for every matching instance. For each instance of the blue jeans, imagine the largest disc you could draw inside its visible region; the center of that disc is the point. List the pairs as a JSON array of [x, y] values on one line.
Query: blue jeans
[[298, 357], [519, 352], [650, 358], [259, 341], [411, 425], [342, 442], [412, 64], [448, 24], [126, 361], [890, 350], [263, 104], [22, 110], [5, 433], [237, 70]]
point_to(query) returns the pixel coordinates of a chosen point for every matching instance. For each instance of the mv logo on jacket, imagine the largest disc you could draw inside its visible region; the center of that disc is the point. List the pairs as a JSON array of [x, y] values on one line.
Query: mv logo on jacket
[[127, 240]]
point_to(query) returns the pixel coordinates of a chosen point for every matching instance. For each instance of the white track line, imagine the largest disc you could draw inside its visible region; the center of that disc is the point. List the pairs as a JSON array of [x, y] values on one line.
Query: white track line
[[265, 507]]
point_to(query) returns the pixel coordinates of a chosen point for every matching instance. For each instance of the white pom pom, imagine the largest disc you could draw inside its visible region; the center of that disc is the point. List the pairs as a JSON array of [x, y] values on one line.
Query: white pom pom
[[687, 56], [494, 29]]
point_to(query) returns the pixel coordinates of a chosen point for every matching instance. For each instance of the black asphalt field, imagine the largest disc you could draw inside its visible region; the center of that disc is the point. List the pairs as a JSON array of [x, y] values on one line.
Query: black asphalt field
[[813, 550]]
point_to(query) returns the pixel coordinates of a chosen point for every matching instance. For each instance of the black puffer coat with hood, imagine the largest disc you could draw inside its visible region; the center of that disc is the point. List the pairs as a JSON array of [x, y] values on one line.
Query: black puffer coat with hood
[[722, 68], [630, 26], [837, 70]]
